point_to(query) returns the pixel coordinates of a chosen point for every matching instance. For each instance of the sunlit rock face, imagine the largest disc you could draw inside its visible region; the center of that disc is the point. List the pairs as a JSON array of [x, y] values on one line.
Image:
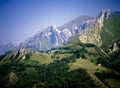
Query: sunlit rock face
[[103, 16], [93, 29], [114, 47]]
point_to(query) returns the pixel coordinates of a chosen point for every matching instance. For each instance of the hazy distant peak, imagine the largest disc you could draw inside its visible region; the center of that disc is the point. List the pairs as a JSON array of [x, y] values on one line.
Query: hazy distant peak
[[77, 21], [82, 16]]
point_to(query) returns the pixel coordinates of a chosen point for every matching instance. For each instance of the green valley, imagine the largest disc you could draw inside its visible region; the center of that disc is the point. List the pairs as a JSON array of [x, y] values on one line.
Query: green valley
[[73, 64]]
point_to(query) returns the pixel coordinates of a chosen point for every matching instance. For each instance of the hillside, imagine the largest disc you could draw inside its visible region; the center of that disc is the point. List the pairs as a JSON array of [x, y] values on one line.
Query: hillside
[[86, 57], [76, 64], [111, 29]]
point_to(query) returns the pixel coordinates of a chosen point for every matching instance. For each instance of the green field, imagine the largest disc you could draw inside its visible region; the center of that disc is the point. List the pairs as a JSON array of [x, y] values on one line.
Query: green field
[[91, 69], [42, 58]]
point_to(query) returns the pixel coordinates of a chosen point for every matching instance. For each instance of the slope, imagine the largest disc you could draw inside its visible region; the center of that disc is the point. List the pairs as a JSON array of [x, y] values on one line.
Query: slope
[[73, 65], [111, 30]]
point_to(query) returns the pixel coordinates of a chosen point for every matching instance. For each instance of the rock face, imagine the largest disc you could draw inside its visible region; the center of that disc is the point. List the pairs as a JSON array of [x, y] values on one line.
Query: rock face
[[21, 54], [75, 26], [93, 29], [54, 36], [114, 47], [21, 51], [103, 16], [45, 40]]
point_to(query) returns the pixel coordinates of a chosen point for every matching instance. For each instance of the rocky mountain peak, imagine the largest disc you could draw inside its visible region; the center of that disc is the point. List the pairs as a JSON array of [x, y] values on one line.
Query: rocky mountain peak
[[92, 32], [103, 15], [114, 47]]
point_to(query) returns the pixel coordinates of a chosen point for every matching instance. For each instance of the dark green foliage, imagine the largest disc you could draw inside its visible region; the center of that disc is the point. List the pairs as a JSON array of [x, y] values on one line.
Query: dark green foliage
[[2, 56], [107, 75], [54, 75], [69, 59], [87, 44], [102, 61], [112, 62], [57, 52], [100, 76], [28, 55], [4, 70], [83, 81]]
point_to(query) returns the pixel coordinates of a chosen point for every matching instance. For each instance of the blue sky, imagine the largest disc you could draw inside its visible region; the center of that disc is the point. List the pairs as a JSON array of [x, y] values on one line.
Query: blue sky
[[20, 19]]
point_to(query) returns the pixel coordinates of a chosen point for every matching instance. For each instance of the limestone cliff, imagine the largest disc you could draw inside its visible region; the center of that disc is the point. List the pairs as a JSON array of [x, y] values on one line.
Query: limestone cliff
[[92, 32]]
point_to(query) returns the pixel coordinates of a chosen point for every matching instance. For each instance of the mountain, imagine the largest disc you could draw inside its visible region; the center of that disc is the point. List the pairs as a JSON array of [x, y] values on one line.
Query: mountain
[[76, 24], [74, 64], [103, 31], [52, 36], [89, 56], [89, 30], [6, 47], [92, 32]]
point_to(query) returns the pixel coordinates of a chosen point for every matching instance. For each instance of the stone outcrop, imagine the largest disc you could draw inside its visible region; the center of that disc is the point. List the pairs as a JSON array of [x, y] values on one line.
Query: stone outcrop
[[21, 54], [92, 32], [114, 47]]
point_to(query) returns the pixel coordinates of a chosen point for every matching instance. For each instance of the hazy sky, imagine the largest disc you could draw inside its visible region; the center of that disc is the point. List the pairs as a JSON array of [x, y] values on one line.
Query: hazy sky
[[20, 19]]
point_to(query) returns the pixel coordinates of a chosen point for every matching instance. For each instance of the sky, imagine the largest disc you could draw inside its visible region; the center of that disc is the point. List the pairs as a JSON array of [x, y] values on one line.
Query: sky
[[20, 19]]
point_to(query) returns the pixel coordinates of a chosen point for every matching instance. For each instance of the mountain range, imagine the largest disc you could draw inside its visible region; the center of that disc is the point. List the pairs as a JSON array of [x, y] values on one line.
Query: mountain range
[[52, 36]]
